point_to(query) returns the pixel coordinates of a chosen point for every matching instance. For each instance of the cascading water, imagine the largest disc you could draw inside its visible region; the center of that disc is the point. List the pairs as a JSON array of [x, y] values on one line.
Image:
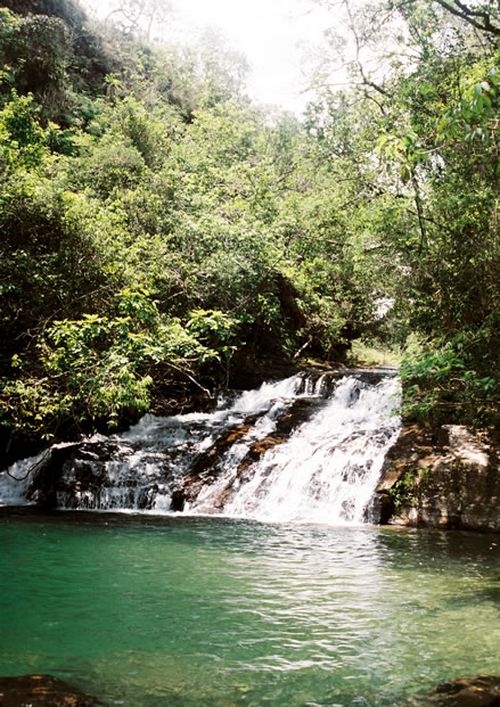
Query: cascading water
[[328, 469], [309, 448]]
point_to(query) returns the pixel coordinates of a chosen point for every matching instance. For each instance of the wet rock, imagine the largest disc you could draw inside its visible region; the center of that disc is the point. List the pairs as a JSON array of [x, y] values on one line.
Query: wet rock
[[96, 473], [164, 469], [330, 378], [41, 691], [482, 691], [448, 478], [299, 412], [46, 473], [268, 370], [178, 500], [70, 469], [205, 467]]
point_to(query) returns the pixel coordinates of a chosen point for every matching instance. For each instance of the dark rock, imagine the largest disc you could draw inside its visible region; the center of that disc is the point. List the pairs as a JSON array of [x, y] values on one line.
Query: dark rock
[[178, 500], [482, 691], [77, 475], [45, 475], [51, 476], [300, 411], [41, 691], [448, 478], [96, 472], [205, 467], [330, 377]]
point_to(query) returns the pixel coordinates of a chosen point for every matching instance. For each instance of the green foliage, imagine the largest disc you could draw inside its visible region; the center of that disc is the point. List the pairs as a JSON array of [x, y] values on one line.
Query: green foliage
[[370, 353], [156, 227], [425, 146], [111, 166], [35, 52], [22, 140], [214, 329], [454, 380], [404, 492], [96, 368]]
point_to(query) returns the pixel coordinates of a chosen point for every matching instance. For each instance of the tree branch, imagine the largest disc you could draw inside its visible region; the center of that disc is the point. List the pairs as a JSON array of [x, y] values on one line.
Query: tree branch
[[459, 9], [364, 77]]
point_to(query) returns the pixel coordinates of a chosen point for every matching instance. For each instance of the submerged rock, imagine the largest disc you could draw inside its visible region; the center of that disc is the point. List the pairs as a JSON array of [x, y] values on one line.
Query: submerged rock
[[446, 479], [41, 691], [482, 691]]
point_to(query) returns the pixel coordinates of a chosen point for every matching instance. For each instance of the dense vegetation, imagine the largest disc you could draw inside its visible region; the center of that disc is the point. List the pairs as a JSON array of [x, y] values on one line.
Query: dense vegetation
[[426, 142], [161, 235]]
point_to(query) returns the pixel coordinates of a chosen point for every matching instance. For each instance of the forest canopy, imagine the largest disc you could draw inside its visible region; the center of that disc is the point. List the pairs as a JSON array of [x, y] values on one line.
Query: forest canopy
[[162, 236]]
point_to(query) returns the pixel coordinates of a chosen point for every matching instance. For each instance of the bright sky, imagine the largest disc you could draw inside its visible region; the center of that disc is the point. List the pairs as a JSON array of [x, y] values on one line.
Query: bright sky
[[275, 35]]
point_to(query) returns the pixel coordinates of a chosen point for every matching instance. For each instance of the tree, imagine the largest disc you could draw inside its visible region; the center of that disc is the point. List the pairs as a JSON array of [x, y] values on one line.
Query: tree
[[431, 156], [141, 16], [481, 15]]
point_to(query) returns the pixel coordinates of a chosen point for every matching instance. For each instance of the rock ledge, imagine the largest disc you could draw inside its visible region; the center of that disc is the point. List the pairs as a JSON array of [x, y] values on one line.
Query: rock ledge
[[448, 478]]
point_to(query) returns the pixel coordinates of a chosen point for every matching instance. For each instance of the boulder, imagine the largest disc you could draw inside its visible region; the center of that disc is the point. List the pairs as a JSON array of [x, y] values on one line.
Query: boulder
[[70, 468], [482, 691], [448, 478], [41, 691], [205, 468]]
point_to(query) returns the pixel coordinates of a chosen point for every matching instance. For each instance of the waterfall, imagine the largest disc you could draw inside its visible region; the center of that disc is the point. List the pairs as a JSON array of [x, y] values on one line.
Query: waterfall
[[326, 472], [309, 448]]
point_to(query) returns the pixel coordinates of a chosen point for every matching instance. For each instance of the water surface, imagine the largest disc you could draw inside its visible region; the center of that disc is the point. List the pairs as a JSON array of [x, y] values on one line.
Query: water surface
[[147, 611]]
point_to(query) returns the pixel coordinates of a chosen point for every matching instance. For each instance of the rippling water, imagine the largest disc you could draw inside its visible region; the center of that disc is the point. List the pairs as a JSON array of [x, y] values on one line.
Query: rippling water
[[193, 611]]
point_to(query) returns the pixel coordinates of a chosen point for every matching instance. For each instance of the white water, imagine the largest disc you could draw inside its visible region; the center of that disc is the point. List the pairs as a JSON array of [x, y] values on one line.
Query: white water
[[328, 470], [14, 484], [325, 472]]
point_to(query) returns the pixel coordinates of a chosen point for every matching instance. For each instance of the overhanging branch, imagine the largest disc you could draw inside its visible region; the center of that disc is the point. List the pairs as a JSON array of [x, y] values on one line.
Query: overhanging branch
[[480, 19]]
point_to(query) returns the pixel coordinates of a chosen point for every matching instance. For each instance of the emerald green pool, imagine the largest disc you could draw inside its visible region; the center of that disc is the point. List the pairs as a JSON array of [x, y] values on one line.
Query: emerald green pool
[[204, 611]]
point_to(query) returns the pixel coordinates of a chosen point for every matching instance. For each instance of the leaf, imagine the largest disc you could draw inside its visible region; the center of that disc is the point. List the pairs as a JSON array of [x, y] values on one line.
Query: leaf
[[405, 174]]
